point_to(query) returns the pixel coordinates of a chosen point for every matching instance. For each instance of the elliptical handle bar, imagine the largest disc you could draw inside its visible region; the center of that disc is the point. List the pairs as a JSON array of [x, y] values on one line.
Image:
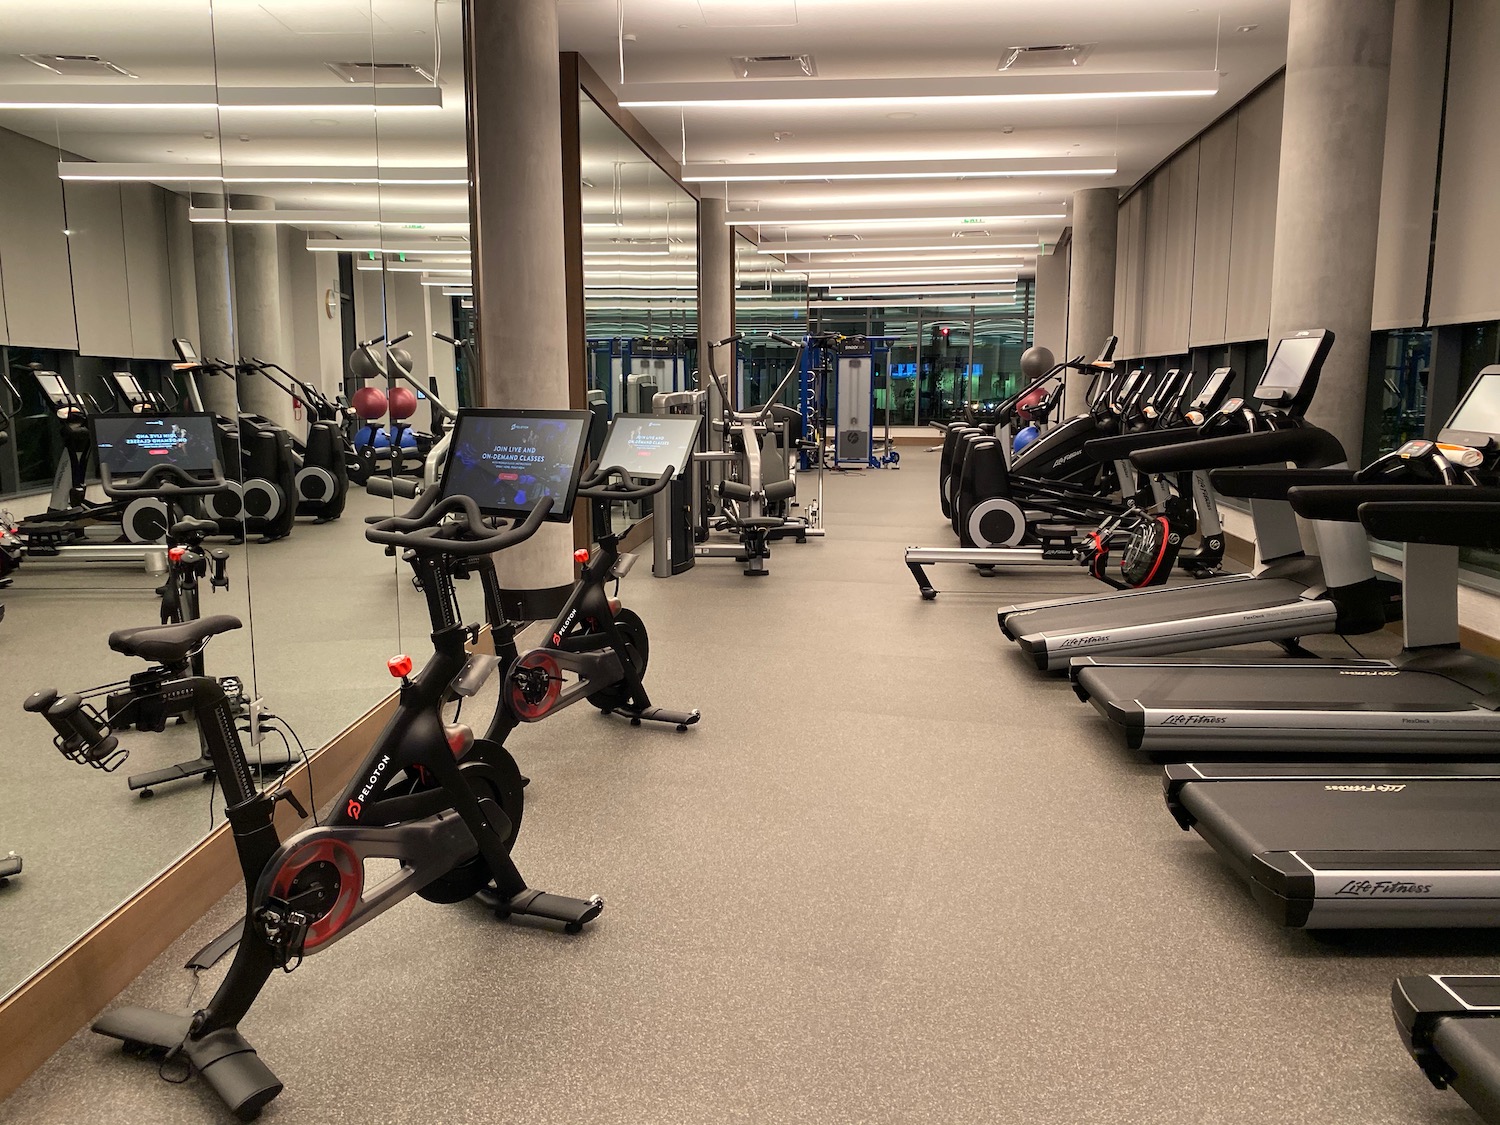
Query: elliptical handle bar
[[595, 485], [427, 529]]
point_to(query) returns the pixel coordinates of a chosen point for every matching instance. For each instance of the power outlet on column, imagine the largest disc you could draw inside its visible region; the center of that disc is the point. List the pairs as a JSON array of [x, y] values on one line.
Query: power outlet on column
[[257, 715]]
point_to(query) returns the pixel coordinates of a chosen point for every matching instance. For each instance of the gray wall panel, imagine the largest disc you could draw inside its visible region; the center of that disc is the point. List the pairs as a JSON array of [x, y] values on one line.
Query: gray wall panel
[[1410, 167], [1129, 303], [1215, 213], [96, 249], [1176, 293], [1156, 202], [1464, 286], [147, 270], [33, 248], [1253, 227], [184, 285], [1050, 327]]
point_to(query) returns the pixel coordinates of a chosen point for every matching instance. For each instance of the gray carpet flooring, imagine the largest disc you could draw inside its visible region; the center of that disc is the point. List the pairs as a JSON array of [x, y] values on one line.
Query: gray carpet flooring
[[893, 876]]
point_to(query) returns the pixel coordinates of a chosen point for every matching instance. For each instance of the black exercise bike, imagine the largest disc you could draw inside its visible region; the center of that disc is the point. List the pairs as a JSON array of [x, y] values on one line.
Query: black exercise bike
[[444, 805]]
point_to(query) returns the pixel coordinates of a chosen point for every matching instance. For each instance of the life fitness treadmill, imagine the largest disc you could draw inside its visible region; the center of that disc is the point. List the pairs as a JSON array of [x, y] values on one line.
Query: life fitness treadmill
[[1290, 594], [1375, 845], [1429, 701]]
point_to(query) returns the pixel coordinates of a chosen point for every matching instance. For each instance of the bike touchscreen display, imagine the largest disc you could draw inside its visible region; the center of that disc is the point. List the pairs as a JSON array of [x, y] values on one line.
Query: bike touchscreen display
[[647, 445], [129, 444], [507, 461]]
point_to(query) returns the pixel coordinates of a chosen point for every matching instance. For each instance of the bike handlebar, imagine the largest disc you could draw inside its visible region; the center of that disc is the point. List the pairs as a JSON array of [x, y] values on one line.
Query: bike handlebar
[[428, 529], [163, 480], [595, 485]]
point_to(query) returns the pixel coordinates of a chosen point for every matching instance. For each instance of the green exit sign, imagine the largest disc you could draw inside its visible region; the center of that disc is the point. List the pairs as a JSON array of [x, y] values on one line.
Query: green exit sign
[[974, 222]]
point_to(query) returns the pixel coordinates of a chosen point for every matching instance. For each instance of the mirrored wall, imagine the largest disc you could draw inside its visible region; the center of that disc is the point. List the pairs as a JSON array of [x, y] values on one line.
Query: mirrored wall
[[245, 253], [640, 270], [769, 300]]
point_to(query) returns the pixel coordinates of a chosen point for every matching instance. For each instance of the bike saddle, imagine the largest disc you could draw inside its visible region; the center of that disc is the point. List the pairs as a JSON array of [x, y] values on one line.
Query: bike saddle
[[170, 644], [189, 528]]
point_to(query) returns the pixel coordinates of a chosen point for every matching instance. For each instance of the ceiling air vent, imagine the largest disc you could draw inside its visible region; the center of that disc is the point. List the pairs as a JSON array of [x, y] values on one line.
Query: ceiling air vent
[[971, 233], [1040, 58], [841, 238], [381, 74], [79, 66], [774, 66]]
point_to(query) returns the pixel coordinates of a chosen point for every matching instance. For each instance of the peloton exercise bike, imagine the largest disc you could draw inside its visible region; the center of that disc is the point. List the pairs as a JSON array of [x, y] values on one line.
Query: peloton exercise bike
[[445, 806]]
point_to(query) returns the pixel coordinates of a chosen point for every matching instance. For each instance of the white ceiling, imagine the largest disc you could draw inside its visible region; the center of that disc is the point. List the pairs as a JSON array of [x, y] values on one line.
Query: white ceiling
[[285, 43]]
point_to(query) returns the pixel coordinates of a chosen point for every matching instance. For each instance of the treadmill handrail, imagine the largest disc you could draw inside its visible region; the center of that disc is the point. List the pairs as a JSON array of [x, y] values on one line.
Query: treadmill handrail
[[1119, 446], [1464, 517], [1276, 484], [1307, 447], [1345, 503]]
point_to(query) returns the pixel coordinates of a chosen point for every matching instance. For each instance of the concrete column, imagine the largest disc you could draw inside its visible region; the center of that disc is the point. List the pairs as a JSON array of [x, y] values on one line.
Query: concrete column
[[511, 80], [715, 300], [211, 269], [180, 263], [1050, 312], [1328, 194], [257, 310], [1091, 282]]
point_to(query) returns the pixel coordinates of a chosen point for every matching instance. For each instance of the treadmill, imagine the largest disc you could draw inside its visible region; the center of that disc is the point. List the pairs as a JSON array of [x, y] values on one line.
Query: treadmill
[[1380, 845], [1433, 699], [1291, 594]]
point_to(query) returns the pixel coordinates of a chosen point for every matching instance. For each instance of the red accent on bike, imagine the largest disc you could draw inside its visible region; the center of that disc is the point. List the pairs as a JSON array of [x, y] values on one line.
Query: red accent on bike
[[540, 706], [351, 873], [460, 738], [614, 606], [354, 809], [399, 665], [1166, 539], [176, 553], [581, 555]]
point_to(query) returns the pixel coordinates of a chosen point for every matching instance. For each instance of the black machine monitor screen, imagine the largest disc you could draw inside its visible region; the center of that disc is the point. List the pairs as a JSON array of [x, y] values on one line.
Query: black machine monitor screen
[[185, 350], [130, 444], [647, 445], [1479, 413], [1288, 367], [129, 386], [53, 387], [507, 461]]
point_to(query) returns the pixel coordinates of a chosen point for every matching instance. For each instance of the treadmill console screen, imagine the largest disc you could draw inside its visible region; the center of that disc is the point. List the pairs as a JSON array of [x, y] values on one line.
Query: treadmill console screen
[[1288, 367], [1213, 387], [53, 387], [185, 350], [647, 445], [507, 461], [1479, 412], [130, 386], [129, 444]]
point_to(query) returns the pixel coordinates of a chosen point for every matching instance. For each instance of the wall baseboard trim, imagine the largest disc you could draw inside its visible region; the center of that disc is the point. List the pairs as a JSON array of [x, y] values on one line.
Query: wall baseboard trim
[[75, 986]]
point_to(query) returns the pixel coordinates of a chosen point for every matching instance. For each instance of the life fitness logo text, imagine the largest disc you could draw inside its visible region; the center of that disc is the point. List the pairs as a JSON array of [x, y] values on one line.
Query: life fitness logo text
[[1192, 720], [1075, 642], [356, 804], [1380, 888]]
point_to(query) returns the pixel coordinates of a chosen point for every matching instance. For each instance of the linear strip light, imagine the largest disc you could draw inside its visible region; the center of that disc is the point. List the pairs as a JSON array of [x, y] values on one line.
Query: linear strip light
[[956, 255], [874, 92], [896, 168], [918, 302], [259, 174], [882, 246], [916, 289], [908, 271], [386, 246], [321, 219], [205, 97], [882, 217]]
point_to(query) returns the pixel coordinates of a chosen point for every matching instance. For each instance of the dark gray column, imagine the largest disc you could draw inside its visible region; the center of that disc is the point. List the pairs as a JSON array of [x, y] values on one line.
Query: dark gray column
[[1328, 194], [257, 310], [515, 199], [211, 268], [1091, 281], [715, 298]]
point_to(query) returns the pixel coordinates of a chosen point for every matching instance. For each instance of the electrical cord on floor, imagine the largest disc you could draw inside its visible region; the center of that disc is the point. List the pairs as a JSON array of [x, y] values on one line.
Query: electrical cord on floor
[[1352, 649]]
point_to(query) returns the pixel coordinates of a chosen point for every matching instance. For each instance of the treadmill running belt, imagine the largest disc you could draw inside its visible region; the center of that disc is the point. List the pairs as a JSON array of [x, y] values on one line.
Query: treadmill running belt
[[1292, 685], [1180, 603]]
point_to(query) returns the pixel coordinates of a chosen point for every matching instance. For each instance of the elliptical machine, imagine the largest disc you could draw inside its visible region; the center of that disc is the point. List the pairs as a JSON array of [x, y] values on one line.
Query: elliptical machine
[[321, 485]]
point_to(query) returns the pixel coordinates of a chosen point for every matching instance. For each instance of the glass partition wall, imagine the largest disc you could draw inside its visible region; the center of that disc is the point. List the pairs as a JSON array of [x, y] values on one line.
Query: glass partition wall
[[769, 299], [288, 224]]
